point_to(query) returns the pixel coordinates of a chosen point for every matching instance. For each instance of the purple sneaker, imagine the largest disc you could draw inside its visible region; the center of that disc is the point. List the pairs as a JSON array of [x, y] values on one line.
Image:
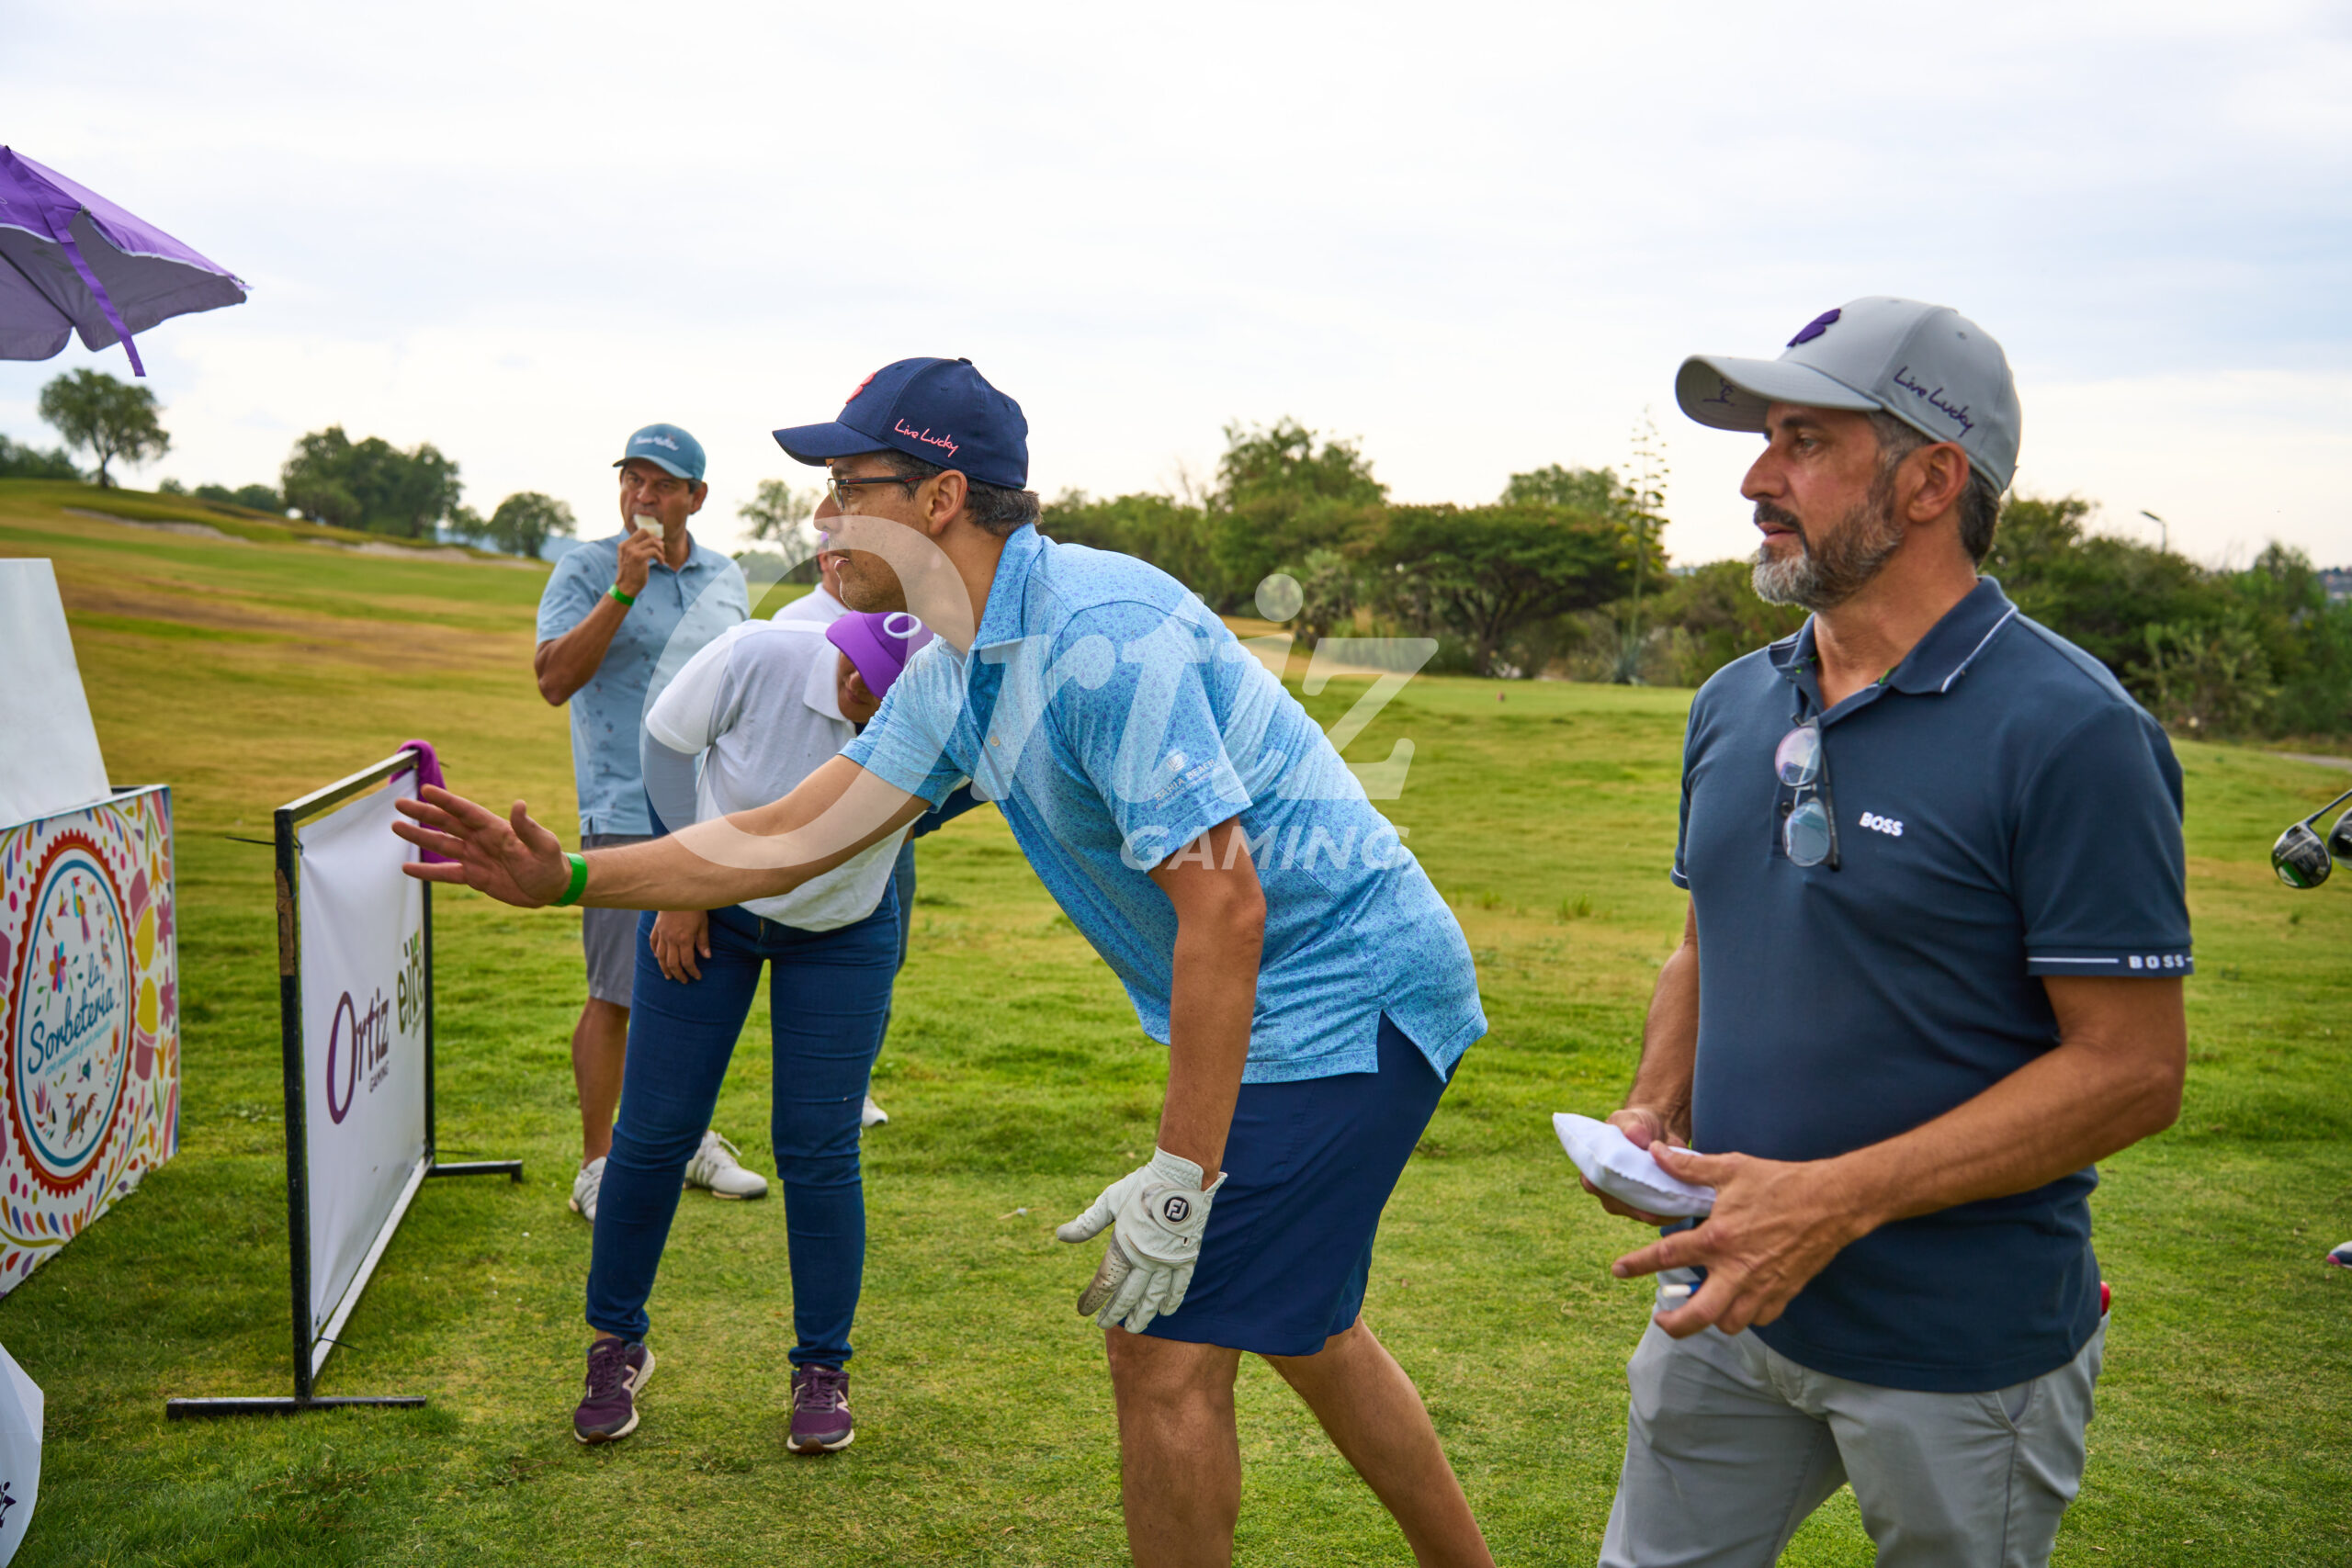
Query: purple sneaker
[[616, 1372], [821, 1423]]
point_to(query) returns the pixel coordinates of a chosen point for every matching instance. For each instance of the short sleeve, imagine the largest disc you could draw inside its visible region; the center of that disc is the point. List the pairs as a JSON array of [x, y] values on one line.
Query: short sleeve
[[1678, 872], [2097, 864], [1148, 737], [905, 743], [568, 597], [685, 716]]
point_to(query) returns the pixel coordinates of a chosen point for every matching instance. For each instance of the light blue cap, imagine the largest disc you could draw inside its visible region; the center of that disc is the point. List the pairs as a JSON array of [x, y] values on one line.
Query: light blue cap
[[667, 447], [1926, 365]]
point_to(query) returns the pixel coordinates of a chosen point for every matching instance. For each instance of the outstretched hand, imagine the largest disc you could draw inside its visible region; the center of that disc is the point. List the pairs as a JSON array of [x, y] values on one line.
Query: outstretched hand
[[1774, 1227], [510, 858]]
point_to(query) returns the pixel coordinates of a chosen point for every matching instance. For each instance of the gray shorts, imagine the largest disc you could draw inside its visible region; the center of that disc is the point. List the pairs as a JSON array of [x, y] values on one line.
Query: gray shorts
[[610, 935], [1729, 1445]]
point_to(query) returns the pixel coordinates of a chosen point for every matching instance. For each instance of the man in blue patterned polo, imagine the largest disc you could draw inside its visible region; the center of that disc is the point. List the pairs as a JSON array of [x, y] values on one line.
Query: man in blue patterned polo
[[1312, 989], [616, 614]]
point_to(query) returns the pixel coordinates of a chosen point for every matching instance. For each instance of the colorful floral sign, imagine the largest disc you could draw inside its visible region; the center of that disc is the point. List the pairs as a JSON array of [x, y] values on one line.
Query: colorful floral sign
[[89, 1018]]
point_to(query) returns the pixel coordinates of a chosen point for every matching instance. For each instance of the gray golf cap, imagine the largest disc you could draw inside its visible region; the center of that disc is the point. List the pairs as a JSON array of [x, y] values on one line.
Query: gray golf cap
[[1926, 365]]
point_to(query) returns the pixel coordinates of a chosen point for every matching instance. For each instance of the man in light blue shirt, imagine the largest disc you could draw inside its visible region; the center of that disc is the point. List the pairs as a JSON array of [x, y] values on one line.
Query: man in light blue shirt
[[618, 617], [1202, 833]]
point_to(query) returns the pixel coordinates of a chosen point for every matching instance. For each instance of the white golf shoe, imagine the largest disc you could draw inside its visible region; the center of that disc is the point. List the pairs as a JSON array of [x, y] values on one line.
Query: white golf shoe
[[872, 1115], [716, 1167], [585, 1188]]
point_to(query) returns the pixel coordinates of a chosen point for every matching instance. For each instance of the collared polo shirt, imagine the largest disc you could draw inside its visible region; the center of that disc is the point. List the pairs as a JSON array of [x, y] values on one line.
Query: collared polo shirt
[[817, 606], [2005, 812], [1114, 719], [675, 615]]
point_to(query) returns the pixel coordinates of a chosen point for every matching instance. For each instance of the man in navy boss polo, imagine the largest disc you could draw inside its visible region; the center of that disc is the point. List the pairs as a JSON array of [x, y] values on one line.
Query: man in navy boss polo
[[1931, 972]]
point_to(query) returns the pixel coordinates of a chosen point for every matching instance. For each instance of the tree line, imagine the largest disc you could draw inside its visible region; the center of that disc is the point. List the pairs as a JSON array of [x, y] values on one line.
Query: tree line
[[1495, 584], [368, 486], [1562, 575]]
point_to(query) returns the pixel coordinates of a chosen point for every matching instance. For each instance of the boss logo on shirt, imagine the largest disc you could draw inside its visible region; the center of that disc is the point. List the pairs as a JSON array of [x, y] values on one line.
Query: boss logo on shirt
[[2158, 960], [1877, 824]]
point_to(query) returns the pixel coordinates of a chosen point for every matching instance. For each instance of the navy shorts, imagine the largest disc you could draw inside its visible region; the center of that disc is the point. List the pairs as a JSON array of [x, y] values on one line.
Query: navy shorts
[[1308, 1166]]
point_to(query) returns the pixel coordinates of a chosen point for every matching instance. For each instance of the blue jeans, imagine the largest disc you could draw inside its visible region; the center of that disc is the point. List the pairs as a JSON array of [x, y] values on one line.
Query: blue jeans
[[827, 995]]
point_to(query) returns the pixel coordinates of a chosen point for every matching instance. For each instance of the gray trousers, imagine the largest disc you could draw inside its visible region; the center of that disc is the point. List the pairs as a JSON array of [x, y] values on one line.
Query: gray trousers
[[609, 936], [1729, 1445]]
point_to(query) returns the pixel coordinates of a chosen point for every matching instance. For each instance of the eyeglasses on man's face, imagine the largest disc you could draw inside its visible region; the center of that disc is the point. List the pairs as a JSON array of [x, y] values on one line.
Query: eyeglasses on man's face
[[843, 488], [2301, 858]]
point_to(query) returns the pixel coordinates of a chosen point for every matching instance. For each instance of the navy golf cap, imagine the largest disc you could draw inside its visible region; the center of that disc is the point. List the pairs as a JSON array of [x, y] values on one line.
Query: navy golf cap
[[941, 410], [667, 447]]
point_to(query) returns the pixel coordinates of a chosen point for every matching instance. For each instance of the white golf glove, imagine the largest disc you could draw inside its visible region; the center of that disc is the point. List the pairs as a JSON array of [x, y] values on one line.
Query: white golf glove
[[1156, 1215]]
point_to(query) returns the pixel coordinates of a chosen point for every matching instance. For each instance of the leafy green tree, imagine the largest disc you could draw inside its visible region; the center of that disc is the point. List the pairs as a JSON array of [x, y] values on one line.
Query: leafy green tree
[[779, 515], [109, 418], [1281, 493], [1332, 586], [1716, 617], [1596, 490], [1166, 532], [260, 498], [21, 462], [369, 484], [1488, 573], [1637, 506], [524, 521]]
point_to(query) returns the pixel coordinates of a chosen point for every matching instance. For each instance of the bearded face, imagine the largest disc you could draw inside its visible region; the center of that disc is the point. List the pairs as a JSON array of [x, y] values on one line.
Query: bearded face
[[1830, 564]]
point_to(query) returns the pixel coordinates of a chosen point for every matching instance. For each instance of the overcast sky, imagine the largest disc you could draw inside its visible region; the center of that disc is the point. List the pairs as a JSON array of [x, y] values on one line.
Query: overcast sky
[[1478, 238]]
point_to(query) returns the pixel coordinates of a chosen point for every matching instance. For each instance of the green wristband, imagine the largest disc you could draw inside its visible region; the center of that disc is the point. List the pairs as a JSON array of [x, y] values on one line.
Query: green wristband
[[625, 598], [579, 880]]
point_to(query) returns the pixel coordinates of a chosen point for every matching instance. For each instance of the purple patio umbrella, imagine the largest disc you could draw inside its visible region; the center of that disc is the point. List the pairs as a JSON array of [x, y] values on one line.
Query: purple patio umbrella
[[71, 260]]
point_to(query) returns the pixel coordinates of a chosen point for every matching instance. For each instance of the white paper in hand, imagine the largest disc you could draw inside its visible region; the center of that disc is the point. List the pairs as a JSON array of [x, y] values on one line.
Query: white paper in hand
[[1610, 1162]]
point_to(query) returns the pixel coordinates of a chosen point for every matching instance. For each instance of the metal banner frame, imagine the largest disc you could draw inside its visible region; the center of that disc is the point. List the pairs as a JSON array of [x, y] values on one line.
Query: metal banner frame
[[309, 1356]]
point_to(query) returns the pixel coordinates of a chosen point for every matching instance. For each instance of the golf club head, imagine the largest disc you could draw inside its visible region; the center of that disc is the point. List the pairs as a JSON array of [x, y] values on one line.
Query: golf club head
[[2300, 859], [2339, 838]]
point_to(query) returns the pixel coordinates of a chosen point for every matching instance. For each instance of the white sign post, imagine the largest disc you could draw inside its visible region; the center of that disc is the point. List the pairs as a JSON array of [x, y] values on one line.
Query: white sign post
[[363, 1045], [355, 940]]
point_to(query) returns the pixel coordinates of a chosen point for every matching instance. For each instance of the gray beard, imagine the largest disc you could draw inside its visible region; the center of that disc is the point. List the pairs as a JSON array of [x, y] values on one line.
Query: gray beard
[[1850, 556]]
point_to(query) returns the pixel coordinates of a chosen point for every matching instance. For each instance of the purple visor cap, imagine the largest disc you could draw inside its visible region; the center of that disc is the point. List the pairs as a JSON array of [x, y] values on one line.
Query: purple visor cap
[[880, 644]]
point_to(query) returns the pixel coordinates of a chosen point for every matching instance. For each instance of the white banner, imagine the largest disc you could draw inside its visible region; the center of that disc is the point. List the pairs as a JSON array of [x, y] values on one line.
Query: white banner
[[363, 1031], [51, 762]]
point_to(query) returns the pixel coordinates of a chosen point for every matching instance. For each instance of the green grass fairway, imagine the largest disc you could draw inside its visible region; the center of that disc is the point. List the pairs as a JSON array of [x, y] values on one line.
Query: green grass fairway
[[245, 674]]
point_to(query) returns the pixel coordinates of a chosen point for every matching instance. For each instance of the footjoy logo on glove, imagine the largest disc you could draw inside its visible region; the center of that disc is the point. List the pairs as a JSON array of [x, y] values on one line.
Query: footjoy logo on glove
[[1175, 1210]]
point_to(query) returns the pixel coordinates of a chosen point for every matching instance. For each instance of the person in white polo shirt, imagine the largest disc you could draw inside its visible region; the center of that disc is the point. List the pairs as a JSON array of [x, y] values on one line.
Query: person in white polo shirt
[[760, 708], [822, 604]]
